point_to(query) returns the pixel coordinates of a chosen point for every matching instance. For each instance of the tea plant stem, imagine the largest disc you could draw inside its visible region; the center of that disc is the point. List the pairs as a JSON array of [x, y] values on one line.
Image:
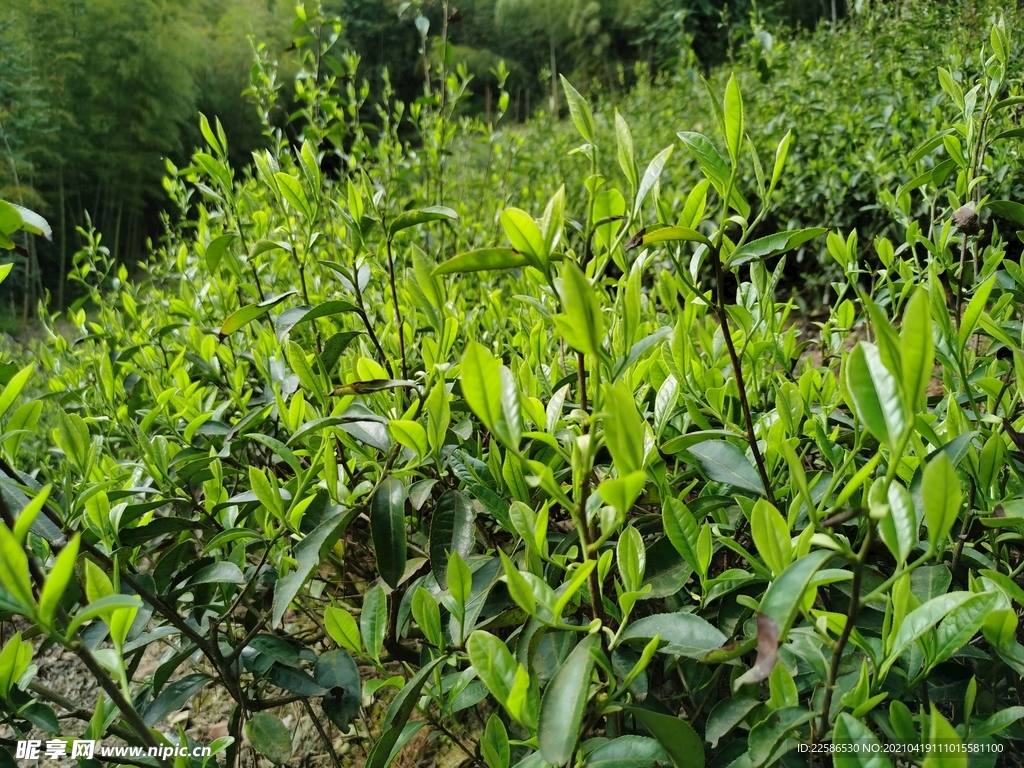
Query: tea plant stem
[[583, 527], [723, 319], [434, 722], [361, 311], [580, 516], [737, 368], [235, 728], [74, 710], [967, 388], [581, 377], [323, 734], [398, 312], [130, 714], [964, 529], [851, 617]]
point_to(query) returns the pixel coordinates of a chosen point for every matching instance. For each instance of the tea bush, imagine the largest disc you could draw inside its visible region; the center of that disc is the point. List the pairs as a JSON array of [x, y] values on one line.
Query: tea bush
[[562, 486], [859, 100]]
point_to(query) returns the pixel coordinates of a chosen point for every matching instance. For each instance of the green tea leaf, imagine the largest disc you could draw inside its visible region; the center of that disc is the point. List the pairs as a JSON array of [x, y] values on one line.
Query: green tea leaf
[[564, 702], [733, 118], [628, 752], [898, 528], [408, 219], [387, 527], [1008, 209], [243, 316], [917, 350], [292, 191], [972, 315], [683, 634], [14, 569], [525, 236], [373, 621], [940, 490], [494, 664], [451, 530], [481, 384], [682, 530], [624, 430], [582, 117], [583, 323], [482, 259], [771, 536], [677, 736], [723, 462], [876, 394], [174, 696], [13, 388], [57, 580], [624, 145], [398, 715], [944, 738], [783, 599], [962, 625], [714, 167], [772, 245], [865, 751], [342, 628], [922, 620]]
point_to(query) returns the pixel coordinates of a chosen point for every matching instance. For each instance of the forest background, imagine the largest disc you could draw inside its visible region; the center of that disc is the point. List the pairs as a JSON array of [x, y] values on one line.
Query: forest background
[[97, 95]]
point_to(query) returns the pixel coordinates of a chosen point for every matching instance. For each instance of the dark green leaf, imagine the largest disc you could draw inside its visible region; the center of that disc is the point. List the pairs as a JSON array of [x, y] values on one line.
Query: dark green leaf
[[173, 697], [630, 752], [223, 572], [772, 245], [295, 681], [451, 530], [387, 526], [398, 715], [723, 462], [564, 702], [683, 634], [726, 715], [782, 600], [714, 168], [337, 672], [677, 737], [309, 553], [651, 235], [868, 751]]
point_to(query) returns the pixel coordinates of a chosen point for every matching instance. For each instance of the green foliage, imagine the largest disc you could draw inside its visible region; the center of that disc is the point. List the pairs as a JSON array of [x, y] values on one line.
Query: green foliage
[[559, 467]]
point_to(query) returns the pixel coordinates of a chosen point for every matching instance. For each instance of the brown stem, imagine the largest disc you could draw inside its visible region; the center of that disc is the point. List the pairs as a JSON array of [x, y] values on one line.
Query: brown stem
[[851, 617], [964, 530], [737, 368], [583, 527], [323, 734], [73, 710], [130, 714]]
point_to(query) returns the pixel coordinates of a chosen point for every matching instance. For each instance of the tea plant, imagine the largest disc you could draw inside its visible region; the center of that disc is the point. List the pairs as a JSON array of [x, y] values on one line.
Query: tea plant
[[587, 494]]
